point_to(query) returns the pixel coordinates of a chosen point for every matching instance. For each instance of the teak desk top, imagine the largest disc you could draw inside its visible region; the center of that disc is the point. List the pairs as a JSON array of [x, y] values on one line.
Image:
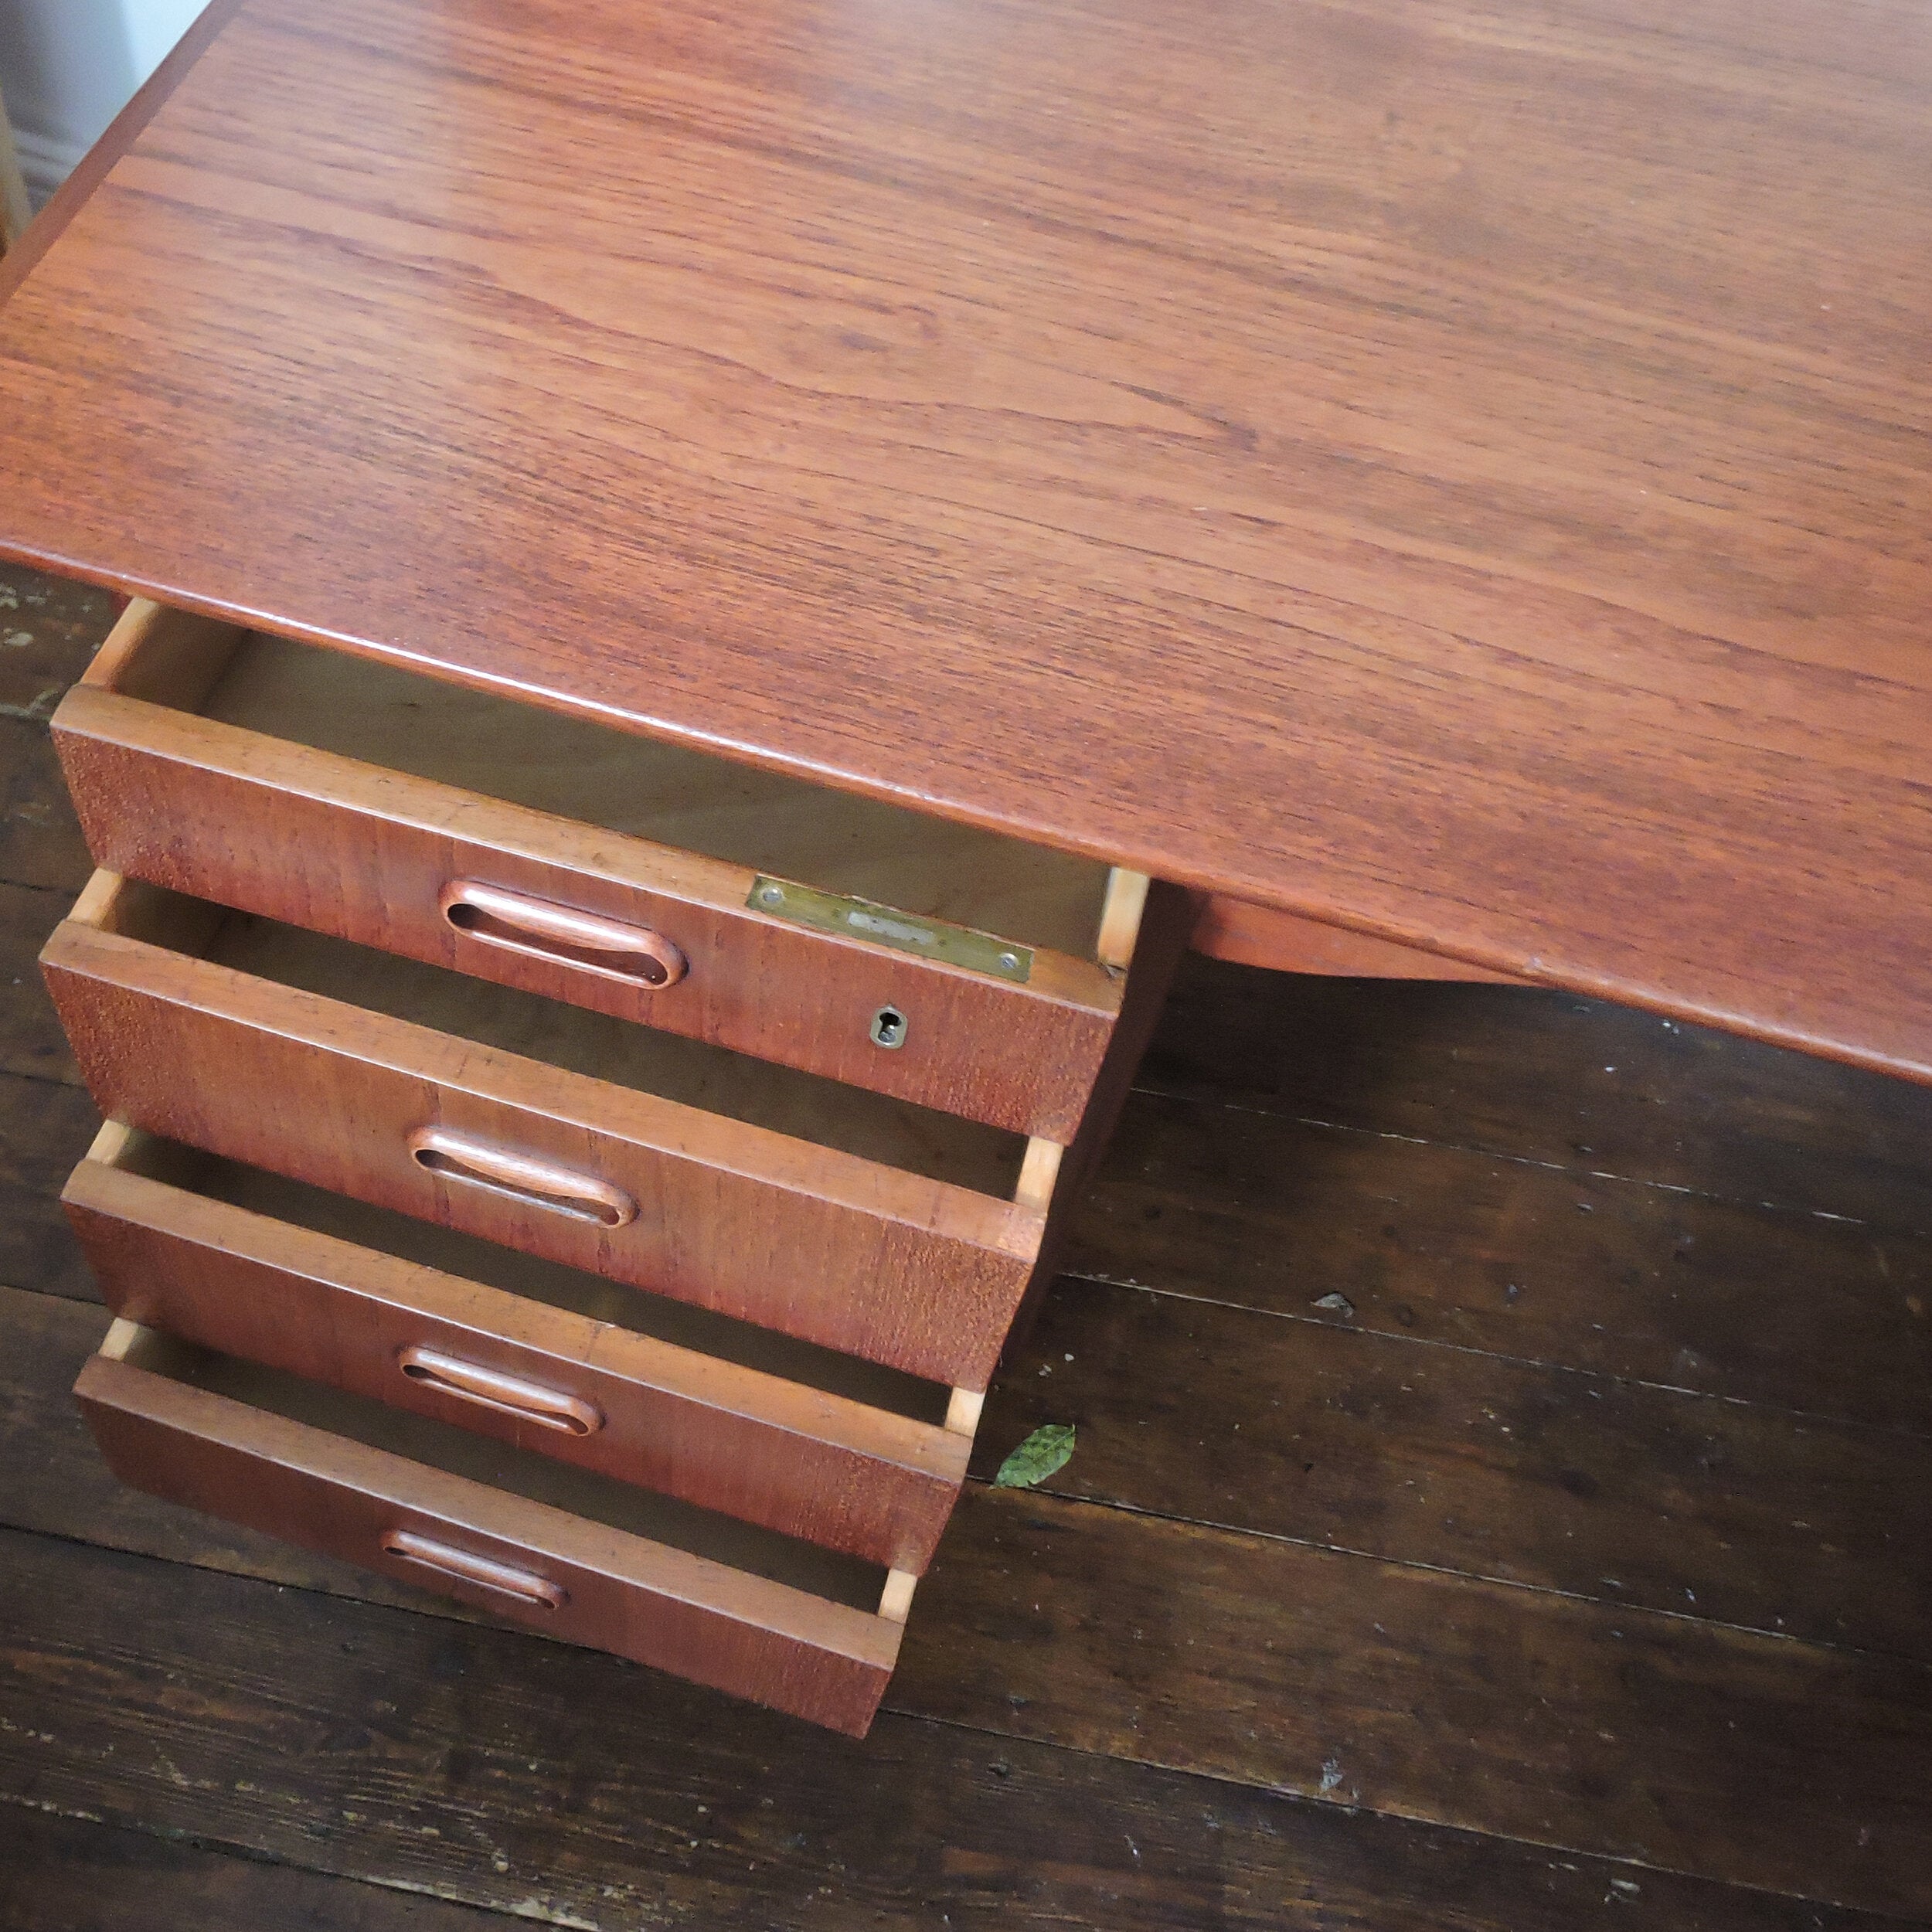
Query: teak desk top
[[1457, 469]]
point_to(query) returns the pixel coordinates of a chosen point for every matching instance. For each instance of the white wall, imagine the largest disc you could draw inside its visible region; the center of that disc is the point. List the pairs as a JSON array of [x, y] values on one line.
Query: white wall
[[153, 28], [66, 66]]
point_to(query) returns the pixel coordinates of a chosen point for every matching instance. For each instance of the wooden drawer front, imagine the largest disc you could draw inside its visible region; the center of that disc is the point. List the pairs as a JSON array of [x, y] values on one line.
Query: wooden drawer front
[[539, 1565], [797, 1460], [811, 1241], [316, 838]]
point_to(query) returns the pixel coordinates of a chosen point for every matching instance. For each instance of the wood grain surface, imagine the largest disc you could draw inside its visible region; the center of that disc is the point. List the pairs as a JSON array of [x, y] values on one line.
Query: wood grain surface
[[361, 845], [44, 1129], [1458, 475], [1319, 1432], [761, 1226], [1444, 1244], [1530, 1075], [40, 845], [486, 1766], [1677, 1211], [1366, 1686], [654, 1601], [796, 1460], [56, 1477], [1251, 935], [1675, 1742], [137, 1882]]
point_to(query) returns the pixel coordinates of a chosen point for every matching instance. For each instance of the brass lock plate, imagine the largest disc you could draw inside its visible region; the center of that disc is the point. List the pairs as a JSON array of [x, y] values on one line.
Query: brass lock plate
[[883, 926]]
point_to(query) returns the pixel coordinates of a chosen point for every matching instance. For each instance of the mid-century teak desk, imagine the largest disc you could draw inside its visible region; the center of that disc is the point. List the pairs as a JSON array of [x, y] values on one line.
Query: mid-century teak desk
[[688, 565]]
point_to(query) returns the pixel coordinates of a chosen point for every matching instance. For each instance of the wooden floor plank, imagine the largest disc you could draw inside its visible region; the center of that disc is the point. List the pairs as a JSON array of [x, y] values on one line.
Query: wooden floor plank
[[53, 1479], [1550, 1076], [1253, 1206], [49, 630], [31, 1041], [1604, 1489], [1753, 1760], [1093, 1700], [1435, 1243], [64, 1874], [509, 1772], [50, 627], [40, 843], [1742, 1759], [1516, 1071], [1792, 1309], [45, 1128]]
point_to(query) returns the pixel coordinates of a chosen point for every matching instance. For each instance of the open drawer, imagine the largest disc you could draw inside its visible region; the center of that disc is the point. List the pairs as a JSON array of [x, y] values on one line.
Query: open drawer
[[741, 1420], [599, 1562], [964, 971], [834, 1214]]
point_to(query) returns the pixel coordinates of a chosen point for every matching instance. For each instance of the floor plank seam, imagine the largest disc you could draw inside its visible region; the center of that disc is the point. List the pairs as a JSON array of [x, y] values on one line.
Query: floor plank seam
[[1218, 1527], [437, 1611], [1622, 1605], [1519, 1160], [1542, 1363], [1070, 1499], [48, 1808], [1411, 1815], [1288, 1795], [50, 1294], [44, 1079], [249, 1854]]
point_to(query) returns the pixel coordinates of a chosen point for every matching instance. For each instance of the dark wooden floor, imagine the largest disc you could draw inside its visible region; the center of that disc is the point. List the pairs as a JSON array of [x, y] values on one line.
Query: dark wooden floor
[[1502, 1502]]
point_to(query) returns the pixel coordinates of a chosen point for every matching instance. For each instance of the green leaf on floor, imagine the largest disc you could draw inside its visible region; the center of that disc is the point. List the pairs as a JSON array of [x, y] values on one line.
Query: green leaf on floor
[[1036, 1458]]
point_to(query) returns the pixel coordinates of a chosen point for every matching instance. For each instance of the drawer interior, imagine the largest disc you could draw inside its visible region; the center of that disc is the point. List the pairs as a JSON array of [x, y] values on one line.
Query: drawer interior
[[383, 714], [942, 1146], [599, 1499], [470, 1258]]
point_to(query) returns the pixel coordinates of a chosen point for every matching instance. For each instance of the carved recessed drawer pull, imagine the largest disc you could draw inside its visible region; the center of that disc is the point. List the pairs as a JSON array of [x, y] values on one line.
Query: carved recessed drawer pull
[[465, 1566], [580, 1196], [544, 930], [755, 911], [491, 1389]]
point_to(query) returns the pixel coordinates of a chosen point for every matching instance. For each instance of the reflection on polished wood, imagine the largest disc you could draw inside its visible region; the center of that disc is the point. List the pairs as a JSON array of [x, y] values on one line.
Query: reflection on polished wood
[[1259, 936], [1458, 473]]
